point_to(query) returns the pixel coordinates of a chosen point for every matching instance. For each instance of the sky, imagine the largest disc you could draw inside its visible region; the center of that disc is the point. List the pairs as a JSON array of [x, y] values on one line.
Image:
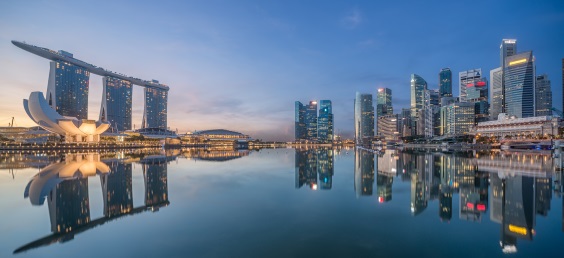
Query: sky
[[241, 65]]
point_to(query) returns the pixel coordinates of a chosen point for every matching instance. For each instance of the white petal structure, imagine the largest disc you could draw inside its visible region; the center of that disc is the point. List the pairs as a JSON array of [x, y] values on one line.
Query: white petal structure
[[73, 129], [74, 166]]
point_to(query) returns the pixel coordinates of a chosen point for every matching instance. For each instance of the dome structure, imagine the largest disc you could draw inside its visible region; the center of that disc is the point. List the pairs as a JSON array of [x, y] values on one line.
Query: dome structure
[[71, 128]]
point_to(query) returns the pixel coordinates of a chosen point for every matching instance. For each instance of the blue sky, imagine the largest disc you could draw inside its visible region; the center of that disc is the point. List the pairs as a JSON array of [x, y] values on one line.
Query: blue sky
[[240, 65]]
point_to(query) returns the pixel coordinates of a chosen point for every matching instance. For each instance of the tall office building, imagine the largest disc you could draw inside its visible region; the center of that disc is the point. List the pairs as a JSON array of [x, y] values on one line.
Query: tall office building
[[445, 82], [116, 103], [311, 121], [519, 81], [543, 96], [325, 122], [404, 122], [457, 118], [418, 87], [363, 118], [431, 114], [67, 90], [384, 102], [496, 92], [478, 94], [155, 115], [507, 48], [299, 123], [466, 78]]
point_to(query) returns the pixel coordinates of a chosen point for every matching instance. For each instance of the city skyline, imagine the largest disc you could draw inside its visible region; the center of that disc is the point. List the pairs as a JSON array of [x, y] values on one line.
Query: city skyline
[[222, 63]]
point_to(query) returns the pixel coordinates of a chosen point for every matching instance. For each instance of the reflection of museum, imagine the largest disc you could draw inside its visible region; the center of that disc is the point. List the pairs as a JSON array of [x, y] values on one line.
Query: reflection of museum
[[64, 186]]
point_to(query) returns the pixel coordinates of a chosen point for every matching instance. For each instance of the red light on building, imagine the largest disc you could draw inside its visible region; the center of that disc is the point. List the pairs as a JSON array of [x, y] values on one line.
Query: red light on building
[[380, 199], [481, 207], [470, 85], [470, 205], [481, 84]]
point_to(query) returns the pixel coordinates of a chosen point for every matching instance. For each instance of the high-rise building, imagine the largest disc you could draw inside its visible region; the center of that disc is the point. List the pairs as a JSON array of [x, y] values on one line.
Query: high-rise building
[[67, 90], [299, 123], [418, 87], [445, 82], [363, 118], [519, 81], [404, 122], [384, 102], [466, 78], [155, 115], [496, 92], [543, 96], [325, 122], [311, 121], [457, 118], [388, 127], [507, 48], [116, 103], [431, 114], [478, 94]]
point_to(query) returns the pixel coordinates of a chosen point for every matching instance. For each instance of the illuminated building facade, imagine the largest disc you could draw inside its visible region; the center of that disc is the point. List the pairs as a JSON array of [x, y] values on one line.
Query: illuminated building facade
[[457, 118], [384, 102], [311, 121], [496, 92], [519, 81], [445, 82], [325, 122], [363, 118], [67, 90], [478, 94], [116, 103], [465, 78], [515, 127], [155, 115], [299, 122], [430, 115], [543, 96], [69, 205], [388, 127], [418, 87]]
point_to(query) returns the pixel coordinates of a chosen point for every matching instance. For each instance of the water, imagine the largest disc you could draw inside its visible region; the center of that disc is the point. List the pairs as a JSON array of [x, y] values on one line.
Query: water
[[281, 203]]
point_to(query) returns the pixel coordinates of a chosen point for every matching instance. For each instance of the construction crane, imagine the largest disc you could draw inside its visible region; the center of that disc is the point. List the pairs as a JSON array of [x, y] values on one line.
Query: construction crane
[[558, 112]]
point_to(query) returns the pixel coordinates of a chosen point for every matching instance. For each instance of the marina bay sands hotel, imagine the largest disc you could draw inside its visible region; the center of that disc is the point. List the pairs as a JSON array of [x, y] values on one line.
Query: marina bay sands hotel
[[67, 91]]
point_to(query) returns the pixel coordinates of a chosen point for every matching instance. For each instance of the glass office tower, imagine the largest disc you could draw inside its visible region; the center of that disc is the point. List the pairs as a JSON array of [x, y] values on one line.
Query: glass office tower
[[363, 118], [466, 78], [384, 102], [155, 115], [445, 82], [67, 90], [299, 123], [543, 96], [496, 93], [325, 122], [418, 87], [311, 121], [116, 103], [519, 79]]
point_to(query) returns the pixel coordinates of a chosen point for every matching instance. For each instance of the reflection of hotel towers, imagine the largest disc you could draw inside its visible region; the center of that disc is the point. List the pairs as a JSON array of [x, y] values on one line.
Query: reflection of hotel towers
[[117, 189], [363, 172], [69, 205], [156, 185], [311, 162]]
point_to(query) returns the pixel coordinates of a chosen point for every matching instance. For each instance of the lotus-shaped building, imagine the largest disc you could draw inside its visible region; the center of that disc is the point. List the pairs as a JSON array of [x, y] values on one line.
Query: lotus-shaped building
[[71, 128]]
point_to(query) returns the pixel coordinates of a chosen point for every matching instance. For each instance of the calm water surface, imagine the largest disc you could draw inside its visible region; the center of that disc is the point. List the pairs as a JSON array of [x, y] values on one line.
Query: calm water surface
[[281, 203]]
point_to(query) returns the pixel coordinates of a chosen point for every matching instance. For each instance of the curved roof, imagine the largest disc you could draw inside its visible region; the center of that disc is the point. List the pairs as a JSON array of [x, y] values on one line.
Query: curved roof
[[56, 56], [218, 132]]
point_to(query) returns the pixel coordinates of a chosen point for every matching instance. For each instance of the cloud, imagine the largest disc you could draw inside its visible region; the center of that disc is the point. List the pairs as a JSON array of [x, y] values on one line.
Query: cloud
[[352, 19]]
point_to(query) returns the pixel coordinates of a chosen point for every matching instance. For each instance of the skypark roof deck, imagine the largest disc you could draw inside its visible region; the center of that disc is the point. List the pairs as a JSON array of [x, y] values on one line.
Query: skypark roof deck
[[57, 56]]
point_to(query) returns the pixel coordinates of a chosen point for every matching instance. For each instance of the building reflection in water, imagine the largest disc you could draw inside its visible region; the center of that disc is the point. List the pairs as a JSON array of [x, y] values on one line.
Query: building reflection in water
[[313, 162], [363, 172], [65, 186], [387, 170]]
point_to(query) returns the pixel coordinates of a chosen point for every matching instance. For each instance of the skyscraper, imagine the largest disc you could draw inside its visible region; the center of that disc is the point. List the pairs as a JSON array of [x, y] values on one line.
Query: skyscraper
[[496, 93], [67, 90], [384, 102], [363, 118], [507, 48], [299, 124], [431, 114], [466, 78], [311, 121], [478, 94], [325, 122], [116, 103], [418, 87], [543, 96], [519, 81], [445, 82], [155, 115]]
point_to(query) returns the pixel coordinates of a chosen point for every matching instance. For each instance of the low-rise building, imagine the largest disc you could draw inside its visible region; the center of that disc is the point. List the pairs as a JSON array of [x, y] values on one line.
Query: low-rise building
[[388, 127], [518, 127]]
